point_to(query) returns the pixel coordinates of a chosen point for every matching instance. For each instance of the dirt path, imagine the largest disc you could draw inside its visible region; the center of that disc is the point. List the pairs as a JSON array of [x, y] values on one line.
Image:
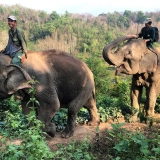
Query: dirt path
[[81, 132], [84, 131]]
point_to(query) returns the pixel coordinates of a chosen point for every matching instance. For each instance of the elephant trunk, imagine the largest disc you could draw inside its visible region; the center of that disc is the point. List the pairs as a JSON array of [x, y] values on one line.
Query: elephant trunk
[[117, 57]]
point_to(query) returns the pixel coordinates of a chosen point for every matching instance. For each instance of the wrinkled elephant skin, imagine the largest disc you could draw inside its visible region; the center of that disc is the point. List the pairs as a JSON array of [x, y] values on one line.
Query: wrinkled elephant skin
[[134, 58], [64, 81]]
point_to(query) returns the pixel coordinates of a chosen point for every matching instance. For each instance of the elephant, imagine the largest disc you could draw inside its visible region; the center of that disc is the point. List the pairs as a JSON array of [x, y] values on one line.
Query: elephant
[[130, 56], [64, 81]]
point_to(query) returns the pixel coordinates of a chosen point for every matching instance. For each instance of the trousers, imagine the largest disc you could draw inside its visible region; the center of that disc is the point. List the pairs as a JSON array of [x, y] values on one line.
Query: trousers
[[17, 58]]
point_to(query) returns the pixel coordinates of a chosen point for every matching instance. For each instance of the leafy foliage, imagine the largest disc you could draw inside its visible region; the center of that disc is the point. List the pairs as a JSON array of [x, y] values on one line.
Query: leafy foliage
[[75, 150], [9, 104], [121, 144], [60, 119], [89, 33], [29, 129]]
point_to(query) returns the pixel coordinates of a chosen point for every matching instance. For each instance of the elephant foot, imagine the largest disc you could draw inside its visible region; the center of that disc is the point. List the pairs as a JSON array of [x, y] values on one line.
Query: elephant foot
[[93, 123], [131, 119], [134, 119], [67, 132], [50, 129], [150, 114]]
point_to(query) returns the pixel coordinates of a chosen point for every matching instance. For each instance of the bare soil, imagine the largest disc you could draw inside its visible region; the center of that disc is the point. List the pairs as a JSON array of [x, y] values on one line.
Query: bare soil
[[83, 132]]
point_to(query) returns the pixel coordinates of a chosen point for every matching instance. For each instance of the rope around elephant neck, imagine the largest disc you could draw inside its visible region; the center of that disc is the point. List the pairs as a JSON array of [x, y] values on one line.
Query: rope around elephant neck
[[154, 53]]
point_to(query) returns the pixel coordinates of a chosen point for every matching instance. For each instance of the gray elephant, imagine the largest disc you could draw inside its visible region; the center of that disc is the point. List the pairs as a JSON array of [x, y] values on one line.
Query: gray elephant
[[134, 58], [64, 81]]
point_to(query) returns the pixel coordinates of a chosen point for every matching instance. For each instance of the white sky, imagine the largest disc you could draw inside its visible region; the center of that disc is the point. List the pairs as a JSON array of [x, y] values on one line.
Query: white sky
[[94, 7]]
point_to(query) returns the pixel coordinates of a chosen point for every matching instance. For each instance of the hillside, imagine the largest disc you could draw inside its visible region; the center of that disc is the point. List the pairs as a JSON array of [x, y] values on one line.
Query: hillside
[[75, 33]]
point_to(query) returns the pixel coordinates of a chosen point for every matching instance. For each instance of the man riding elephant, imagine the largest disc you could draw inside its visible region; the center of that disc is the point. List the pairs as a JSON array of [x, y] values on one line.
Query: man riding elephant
[[17, 46], [64, 81], [147, 33]]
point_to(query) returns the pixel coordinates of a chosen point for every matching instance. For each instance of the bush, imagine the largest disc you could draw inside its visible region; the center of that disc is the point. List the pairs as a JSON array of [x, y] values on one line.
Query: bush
[[75, 150], [121, 144], [29, 129]]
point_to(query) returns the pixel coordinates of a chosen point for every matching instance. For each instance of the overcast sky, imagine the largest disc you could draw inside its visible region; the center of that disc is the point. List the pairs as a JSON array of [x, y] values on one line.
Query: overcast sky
[[94, 7]]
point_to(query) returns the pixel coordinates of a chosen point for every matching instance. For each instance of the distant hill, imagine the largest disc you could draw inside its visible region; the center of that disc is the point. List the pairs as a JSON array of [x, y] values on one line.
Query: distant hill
[[75, 33]]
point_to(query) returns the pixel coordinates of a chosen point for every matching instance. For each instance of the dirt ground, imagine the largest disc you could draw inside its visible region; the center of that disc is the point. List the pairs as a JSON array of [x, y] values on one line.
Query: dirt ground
[[83, 132]]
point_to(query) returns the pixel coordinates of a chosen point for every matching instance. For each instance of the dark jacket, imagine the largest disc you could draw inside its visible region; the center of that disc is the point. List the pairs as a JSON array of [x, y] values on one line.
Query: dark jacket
[[148, 34]]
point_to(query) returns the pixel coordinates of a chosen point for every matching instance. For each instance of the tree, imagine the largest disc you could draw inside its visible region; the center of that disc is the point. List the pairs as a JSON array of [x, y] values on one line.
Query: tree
[[127, 13], [54, 15], [123, 21], [140, 17]]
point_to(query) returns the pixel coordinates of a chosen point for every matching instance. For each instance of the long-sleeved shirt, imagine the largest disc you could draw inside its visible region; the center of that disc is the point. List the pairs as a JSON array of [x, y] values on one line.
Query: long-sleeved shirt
[[148, 34], [18, 38]]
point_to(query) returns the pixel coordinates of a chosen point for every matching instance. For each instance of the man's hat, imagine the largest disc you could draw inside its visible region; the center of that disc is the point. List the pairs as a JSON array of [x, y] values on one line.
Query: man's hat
[[148, 20], [12, 18]]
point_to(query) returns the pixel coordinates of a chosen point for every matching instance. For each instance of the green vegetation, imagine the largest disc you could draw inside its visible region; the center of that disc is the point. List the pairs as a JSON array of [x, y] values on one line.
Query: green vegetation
[[115, 144], [121, 144], [84, 36], [74, 33], [26, 127]]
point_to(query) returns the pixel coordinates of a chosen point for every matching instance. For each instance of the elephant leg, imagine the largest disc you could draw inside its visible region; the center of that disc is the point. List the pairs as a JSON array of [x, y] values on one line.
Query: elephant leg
[[25, 108], [151, 98], [73, 109], [92, 109], [69, 129], [46, 112], [136, 93]]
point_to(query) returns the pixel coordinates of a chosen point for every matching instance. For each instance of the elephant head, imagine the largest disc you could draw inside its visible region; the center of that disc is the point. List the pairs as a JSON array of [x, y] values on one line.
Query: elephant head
[[130, 58], [13, 78]]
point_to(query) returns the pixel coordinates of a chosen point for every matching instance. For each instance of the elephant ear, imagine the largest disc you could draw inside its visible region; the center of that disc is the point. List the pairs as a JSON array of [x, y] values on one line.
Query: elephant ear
[[16, 78], [148, 63]]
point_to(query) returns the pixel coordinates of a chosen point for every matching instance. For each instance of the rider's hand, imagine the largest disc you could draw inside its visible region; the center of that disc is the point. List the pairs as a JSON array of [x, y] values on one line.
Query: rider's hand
[[2, 50], [135, 36], [22, 58], [146, 40]]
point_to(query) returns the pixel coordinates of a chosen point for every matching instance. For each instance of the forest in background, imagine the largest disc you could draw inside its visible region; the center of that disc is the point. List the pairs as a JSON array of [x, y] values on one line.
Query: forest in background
[[74, 33]]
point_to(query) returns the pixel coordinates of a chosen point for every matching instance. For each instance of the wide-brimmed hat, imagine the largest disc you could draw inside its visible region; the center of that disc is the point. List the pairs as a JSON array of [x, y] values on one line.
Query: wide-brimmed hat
[[12, 18], [148, 20]]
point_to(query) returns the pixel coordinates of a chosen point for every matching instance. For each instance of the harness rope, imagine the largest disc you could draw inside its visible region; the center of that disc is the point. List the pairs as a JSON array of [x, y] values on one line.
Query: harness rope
[[154, 53]]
